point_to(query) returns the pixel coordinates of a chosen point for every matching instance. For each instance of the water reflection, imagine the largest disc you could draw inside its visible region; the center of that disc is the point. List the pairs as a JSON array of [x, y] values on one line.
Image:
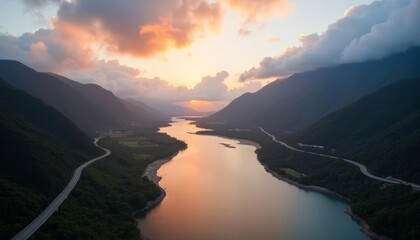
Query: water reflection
[[217, 192]]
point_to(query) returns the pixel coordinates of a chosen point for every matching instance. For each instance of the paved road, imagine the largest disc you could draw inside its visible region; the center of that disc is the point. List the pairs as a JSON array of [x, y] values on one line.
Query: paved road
[[43, 217], [362, 167]]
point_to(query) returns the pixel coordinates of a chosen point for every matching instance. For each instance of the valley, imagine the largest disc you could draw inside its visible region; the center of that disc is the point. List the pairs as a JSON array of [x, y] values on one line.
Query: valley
[[210, 120]]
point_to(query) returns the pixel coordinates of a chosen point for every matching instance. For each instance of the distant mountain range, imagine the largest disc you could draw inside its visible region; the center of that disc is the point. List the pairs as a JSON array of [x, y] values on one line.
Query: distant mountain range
[[40, 150], [169, 109], [88, 105], [296, 102]]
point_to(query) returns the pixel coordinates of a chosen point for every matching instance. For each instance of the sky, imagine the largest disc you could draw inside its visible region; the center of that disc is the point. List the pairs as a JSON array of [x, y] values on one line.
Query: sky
[[202, 53]]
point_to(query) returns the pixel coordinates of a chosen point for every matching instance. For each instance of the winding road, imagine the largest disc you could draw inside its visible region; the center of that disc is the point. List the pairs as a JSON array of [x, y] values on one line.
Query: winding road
[[43, 217], [363, 169]]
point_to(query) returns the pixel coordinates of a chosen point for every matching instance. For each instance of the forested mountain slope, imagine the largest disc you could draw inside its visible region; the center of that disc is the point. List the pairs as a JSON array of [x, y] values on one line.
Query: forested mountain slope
[[89, 106], [381, 130], [296, 102], [39, 151]]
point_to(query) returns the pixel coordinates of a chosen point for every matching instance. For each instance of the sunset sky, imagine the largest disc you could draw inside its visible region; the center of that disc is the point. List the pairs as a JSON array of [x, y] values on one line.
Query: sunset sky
[[183, 50]]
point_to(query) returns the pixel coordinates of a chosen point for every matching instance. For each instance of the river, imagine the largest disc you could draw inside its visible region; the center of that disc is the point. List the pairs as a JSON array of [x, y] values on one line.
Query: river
[[215, 191]]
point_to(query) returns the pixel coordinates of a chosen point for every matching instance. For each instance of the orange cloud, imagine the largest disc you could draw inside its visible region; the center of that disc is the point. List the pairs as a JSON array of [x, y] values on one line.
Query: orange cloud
[[252, 10], [274, 40], [209, 15], [140, 28], [162, 36], [38, 51]]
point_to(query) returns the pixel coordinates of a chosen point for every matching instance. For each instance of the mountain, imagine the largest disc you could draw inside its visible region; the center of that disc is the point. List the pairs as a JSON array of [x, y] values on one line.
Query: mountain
[[111, 105], [296, 102], [381, 130], [39, 151], [171, 109], [89, 106]]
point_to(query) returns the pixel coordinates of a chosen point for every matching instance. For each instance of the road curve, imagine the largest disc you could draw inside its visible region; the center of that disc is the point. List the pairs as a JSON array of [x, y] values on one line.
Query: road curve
[[54, 205], [363, 169]]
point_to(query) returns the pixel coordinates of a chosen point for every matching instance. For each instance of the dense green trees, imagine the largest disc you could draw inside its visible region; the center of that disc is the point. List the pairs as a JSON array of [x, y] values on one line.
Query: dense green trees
[[39, 150], [391, 210], [89, 106], [110, 191], [381, 130]]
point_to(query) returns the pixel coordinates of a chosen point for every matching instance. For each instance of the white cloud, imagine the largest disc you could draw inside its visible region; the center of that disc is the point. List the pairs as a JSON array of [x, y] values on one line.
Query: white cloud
[[47, 50], [126, 82], [39, 3], [400, 31], [211, 88], [365, 32]]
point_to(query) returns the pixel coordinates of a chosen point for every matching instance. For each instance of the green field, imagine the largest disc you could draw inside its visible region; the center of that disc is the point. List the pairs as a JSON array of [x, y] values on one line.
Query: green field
[[131, 144], [136, 141], [292, 173], [140, 156], [119, 134], [149, 146]]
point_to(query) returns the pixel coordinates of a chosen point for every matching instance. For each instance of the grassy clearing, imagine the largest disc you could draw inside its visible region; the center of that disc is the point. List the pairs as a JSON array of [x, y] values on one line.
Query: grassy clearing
[[140, 156], [119, 134], [137, 141], [136, 144], [149, 146], [130, 144], [292, 173]]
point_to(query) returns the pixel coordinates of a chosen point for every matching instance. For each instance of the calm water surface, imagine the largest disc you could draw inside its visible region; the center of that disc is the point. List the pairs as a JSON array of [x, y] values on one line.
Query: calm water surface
[[216, 192]]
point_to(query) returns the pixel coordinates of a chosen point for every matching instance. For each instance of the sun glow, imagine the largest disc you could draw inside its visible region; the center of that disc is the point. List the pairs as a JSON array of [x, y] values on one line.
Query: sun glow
[[204, 105]]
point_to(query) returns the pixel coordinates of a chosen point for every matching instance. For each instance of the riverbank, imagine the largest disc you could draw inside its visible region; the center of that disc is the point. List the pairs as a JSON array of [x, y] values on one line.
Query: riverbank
[[151, 173], [364, 227], [241, 141], [278, 176], [109, 192], [275, 174]]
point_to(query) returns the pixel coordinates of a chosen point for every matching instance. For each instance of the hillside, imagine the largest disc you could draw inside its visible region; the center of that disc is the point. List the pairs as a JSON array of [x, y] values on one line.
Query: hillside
[[89, 106], [171, 109], [113, 106], [40, 149], [381, 130], [300, 100]]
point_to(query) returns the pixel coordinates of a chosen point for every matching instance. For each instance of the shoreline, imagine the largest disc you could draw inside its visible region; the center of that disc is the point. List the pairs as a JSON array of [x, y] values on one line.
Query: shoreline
[[306, 187], [364, 226], [240, 141], [151, 173]]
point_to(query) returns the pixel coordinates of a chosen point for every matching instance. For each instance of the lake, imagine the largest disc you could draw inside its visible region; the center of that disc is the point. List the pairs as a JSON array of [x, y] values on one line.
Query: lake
[[217, 189]]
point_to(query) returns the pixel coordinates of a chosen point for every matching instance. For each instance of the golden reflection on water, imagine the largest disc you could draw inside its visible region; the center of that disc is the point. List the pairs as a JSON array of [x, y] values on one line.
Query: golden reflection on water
[[216, 192]]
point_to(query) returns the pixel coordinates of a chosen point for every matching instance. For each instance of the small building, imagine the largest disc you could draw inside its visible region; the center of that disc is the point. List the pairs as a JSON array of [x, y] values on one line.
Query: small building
[[310, 146]]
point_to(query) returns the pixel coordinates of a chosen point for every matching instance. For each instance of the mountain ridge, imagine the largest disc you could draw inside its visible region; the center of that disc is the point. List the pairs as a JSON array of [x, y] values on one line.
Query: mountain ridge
[[296, 102], [381, 130], [76, 101], [40, 150]]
